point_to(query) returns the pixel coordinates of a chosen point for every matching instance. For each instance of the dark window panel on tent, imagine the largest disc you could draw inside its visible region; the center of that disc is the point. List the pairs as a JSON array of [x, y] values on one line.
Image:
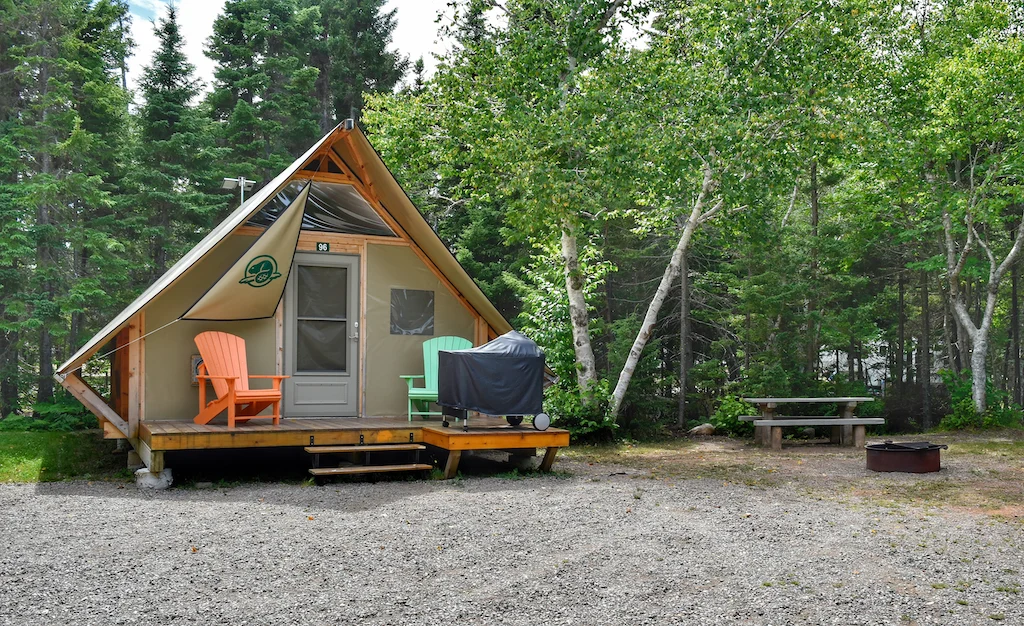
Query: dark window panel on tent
[[412, 312], [331, 208]]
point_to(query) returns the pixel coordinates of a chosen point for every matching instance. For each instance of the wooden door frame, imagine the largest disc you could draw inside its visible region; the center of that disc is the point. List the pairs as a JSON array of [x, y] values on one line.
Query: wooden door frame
[[288, 324]]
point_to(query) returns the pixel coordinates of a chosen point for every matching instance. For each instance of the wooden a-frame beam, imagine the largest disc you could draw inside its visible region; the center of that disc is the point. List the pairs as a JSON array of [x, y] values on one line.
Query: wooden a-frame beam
[[92, 401]]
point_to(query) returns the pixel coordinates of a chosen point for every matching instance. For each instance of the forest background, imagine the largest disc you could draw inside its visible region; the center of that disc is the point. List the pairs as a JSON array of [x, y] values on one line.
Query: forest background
[[683, 201]]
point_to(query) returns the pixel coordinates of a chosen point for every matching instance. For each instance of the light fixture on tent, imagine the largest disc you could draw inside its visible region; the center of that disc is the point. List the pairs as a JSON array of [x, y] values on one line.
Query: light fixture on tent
[[243, 184]]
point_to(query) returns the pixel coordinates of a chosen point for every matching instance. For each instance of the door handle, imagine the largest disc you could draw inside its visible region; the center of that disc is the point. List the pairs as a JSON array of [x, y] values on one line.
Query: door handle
[[355, 331]]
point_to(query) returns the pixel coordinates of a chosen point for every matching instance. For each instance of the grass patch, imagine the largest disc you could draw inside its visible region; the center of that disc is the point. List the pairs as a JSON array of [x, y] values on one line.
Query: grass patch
[[999, 447], [29, 457]]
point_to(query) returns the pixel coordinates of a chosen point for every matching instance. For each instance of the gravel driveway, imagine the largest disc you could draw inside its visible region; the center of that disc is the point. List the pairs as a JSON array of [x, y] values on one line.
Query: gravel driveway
[[598, 546]]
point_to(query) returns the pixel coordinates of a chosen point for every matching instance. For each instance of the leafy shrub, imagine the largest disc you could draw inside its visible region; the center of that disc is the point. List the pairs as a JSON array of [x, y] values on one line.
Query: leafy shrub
[[66, 414], [726, 416], [1000, 412], [568, 411], [963, 416]]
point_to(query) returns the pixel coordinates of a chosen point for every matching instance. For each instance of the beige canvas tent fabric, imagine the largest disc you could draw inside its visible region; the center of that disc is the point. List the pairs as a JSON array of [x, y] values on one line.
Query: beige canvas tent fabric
[[252, 288]]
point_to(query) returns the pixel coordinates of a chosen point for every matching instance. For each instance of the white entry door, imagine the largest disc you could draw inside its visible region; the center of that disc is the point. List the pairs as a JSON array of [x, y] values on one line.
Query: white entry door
[[321, 336]]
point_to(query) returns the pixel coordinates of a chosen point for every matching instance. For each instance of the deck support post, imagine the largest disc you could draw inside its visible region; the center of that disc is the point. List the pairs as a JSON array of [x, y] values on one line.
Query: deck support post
[[452, 466], [134, 460], [549, 459], [153, 459]]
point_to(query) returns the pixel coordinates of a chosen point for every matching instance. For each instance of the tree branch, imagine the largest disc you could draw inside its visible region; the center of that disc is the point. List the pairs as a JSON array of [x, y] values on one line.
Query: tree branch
[[783, 33], [609, 13], [988, 252]]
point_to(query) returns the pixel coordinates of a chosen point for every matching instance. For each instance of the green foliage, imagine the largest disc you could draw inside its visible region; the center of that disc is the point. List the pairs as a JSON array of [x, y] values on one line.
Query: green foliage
[[1000, 412], [726, 417], [545, 319], [351, 54], [586, 422], [263, 90], [66, 414], [175, 156]]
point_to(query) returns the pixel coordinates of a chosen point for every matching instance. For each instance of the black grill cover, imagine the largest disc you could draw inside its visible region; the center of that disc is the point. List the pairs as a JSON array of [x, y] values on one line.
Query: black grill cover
[[501, 377]]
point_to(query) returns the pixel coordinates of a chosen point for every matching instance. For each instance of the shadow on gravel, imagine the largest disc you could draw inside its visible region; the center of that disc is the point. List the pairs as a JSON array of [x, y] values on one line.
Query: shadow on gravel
[[216, 475]]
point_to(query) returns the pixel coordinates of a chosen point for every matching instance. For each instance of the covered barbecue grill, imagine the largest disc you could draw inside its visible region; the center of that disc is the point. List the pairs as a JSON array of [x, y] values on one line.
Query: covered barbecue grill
[[501, 377]]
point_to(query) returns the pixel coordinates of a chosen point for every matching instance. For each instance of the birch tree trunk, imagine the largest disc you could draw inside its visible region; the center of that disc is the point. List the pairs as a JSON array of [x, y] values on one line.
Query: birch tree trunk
[[586, 363], [978, 334], [697, 215]]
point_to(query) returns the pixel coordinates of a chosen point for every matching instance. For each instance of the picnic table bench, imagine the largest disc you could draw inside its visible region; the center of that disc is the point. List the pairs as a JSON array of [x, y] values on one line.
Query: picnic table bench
[[847, 430]]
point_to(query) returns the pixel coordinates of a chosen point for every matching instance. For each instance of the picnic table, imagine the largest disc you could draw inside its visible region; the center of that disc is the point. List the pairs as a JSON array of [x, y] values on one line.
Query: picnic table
[[847, 430]]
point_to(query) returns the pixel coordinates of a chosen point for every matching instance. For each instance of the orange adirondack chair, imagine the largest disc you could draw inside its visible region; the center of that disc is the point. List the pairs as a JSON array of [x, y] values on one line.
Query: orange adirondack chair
[[225, 366]]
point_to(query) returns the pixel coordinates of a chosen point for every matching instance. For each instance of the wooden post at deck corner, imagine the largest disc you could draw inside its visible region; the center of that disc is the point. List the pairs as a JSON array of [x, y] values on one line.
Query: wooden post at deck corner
[[451, 467], [549, 459], [134, 376]]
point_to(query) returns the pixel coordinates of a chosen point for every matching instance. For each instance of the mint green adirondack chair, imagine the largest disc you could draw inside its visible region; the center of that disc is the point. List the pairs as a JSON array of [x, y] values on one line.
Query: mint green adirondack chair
[[421, 397]]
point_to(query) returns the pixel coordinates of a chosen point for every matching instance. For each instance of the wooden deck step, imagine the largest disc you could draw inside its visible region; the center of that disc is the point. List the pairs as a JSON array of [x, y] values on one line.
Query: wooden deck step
[[383, 447], [368, 469]]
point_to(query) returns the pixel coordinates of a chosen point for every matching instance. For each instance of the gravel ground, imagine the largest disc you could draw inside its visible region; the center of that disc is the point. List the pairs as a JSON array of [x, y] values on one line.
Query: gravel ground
[[596, 544]]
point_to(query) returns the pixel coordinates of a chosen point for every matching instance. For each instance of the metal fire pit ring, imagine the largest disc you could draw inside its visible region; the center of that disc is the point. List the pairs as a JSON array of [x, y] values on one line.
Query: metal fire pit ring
[[915, 456]]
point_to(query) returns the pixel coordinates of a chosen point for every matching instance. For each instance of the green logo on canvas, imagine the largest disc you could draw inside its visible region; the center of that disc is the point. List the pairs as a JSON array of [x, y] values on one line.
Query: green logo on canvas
[[261, 271]]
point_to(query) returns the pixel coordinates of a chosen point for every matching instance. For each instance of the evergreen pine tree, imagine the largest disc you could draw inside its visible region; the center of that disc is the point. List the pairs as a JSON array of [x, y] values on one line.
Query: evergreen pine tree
[[63, 116], [174, 154], [263, 88], [351, 52]]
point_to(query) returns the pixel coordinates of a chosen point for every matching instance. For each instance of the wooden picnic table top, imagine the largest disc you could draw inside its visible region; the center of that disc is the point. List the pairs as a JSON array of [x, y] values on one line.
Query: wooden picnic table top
[[805, 400]]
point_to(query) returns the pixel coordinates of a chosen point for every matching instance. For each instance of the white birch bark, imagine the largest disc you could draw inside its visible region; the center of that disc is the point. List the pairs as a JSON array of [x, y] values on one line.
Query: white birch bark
[[586, 363], [977, 334], [696, 217]]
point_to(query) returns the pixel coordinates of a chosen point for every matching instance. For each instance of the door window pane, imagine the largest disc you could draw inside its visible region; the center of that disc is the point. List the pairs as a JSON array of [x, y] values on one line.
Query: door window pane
[[322, 291], [321, 346]]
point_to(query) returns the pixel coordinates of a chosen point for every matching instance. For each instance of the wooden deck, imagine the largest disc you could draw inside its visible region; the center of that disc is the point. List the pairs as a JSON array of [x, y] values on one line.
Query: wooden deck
[[486, 433], [186, 435]]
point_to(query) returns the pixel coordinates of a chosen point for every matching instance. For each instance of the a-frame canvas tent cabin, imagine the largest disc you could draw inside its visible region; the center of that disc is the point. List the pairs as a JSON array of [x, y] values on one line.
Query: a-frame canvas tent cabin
[[329, 274]]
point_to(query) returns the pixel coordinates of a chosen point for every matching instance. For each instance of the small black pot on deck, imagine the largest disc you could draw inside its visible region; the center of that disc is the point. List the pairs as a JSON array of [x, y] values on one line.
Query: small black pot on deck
[[915, 456]]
